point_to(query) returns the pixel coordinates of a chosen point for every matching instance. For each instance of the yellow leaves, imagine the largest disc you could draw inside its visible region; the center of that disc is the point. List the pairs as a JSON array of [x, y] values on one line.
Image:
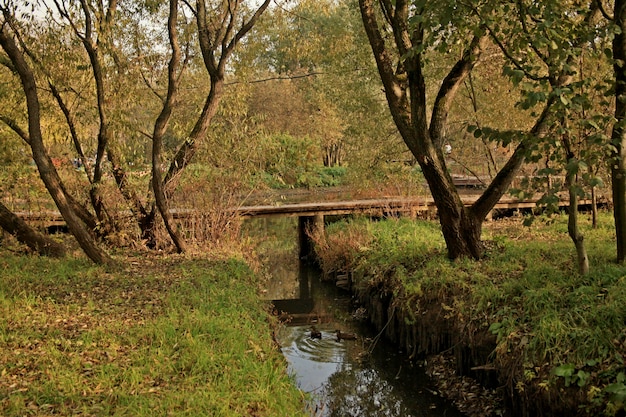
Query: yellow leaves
[[593, 392], [544, 385], [256, 349]]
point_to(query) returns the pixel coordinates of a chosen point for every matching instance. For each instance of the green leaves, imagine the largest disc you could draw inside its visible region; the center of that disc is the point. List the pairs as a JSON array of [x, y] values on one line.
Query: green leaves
[[574, 166], [515, 74], [617, 390], [502, 137], [569, 374]]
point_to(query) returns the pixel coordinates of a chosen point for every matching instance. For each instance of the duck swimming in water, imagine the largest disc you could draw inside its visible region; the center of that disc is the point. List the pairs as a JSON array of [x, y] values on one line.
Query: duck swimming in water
[[345, 336], [315, 334]]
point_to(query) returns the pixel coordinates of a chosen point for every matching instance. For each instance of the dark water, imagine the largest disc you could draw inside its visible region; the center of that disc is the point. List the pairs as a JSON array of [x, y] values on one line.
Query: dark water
[[365, 377]]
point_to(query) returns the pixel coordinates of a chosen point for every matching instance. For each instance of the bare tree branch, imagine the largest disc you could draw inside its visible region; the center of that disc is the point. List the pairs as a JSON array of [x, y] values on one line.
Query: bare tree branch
[[603, 10], [12, 124]]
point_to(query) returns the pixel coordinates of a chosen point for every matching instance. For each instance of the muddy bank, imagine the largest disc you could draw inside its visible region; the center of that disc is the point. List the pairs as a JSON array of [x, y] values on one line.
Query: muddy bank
[[460, 356]]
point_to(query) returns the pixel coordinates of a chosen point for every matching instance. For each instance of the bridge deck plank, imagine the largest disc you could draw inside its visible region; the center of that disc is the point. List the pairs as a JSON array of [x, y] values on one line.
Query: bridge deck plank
[[380, 206]]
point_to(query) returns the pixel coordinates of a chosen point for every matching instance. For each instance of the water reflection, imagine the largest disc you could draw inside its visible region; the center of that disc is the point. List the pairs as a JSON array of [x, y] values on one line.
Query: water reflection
[[373, 395], [318, 359], [343, 378]]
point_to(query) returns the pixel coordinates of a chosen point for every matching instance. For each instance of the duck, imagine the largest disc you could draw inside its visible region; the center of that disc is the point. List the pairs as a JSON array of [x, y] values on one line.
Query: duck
[[345, 336], [315, 334]]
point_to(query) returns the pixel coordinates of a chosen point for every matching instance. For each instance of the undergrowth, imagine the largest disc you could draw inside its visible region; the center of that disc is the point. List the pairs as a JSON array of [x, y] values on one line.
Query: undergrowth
[[554, 327]]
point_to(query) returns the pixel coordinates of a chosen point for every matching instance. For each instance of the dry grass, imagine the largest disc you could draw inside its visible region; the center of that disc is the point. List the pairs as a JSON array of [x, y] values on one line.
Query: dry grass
[[335, 252]]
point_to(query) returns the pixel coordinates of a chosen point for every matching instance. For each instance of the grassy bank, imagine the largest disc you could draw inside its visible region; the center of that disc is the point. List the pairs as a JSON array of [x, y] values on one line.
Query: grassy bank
[[558, 338], [162, 337]]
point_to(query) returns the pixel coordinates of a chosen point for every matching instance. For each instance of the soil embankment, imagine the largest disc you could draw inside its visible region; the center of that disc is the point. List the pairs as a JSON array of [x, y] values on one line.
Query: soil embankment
[[461, 360], [522, 323]]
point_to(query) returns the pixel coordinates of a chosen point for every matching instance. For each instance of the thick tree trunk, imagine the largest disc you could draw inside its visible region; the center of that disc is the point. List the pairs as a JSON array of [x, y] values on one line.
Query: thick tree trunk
[[460, 227], [40, 243], [618, 168], [405, 91], [48, 174], [462, 233]]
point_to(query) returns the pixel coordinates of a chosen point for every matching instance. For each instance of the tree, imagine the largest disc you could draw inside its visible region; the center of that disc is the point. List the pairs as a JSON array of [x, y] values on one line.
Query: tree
[[160, 127], [219, 32], [46, 169], [221, 28], [108, 49], [618, 163], [573, 193], [25, 234], [540, 45], [559, 35], [400, 59]]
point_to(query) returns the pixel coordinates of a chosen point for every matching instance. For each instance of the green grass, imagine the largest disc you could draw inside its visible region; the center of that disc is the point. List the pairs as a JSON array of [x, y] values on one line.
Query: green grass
[[163, 337], [550, 321]]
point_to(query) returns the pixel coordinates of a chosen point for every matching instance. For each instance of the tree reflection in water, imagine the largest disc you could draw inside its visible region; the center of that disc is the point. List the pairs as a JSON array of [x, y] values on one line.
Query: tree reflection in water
[[341, 384], [362, 392]]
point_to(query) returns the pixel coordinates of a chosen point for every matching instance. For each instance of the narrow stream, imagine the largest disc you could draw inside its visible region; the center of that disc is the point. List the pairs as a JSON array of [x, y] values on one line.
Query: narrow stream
[[362, 377]]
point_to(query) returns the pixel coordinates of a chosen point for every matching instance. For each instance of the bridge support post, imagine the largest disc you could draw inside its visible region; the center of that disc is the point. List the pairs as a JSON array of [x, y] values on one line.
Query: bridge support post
[[307, 226]]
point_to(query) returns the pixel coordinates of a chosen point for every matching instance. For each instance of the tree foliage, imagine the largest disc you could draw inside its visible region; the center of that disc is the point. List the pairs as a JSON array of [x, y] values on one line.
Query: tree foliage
[[106, 60], [542, 45], [297, 95]]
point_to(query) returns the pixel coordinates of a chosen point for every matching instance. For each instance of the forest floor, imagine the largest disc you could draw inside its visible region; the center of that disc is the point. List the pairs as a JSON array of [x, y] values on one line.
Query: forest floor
[[164, 335]]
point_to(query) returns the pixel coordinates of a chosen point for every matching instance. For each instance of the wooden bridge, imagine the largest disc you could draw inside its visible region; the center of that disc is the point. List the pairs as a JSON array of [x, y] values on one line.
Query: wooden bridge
[[392, 206], [311, 215], [378, 207]]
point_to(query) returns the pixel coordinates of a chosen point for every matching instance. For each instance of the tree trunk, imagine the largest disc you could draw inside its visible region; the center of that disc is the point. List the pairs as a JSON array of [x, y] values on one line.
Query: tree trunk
[[594, 208], [332, 155], [46, 169], [80, 210], [460, 227], [160, 126], [25, 234], [574, 231], [618, 166], [188, 149], [572, 219]]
